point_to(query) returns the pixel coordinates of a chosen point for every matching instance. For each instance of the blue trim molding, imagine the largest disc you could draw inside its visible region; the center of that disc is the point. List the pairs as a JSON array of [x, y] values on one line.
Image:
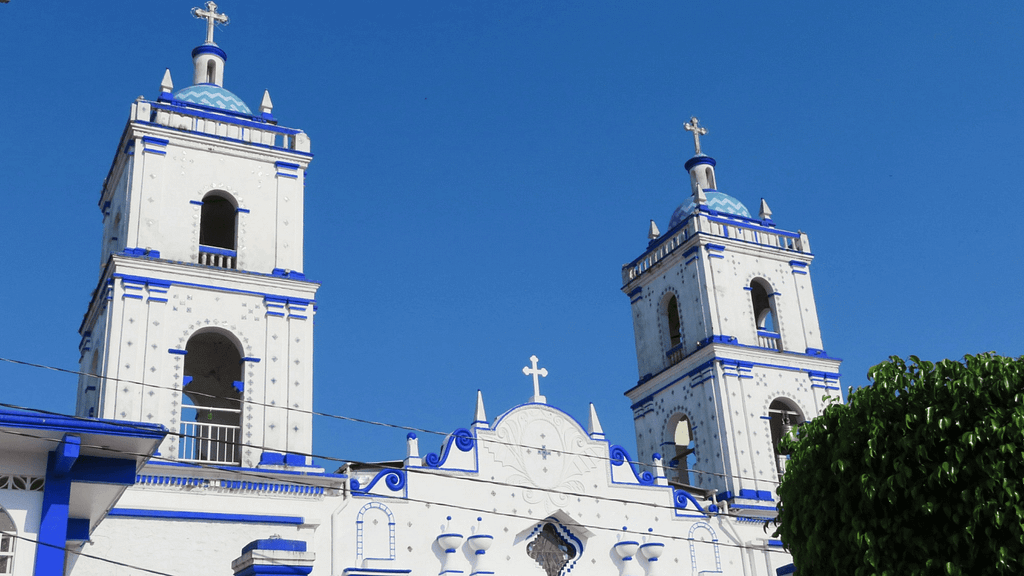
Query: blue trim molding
[[698, 160], [206, 516], [210, 49]]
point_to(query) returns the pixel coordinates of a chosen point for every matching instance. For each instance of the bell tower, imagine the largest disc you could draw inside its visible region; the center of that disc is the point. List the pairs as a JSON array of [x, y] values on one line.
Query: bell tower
[[728, 346], [202, 319]]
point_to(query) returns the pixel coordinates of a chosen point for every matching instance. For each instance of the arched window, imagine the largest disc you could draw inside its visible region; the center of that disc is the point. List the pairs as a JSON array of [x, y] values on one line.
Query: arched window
[[674, 328], [217, 225], [783, 417], [762, 299], [682, 457], [551, 550], [213, 395], [8, 533], [670, 309], [211, 72], [709, 174]]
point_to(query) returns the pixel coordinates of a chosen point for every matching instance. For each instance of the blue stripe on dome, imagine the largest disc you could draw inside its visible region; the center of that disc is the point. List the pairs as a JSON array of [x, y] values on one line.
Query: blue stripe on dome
[[214, 97], [718, 201]]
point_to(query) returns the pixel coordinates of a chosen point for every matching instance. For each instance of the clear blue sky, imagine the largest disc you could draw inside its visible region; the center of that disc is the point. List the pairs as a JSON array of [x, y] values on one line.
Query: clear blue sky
[[483, 169]]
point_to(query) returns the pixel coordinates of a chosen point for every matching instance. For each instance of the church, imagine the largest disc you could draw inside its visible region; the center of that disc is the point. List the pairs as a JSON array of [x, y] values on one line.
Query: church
[[190, 450]]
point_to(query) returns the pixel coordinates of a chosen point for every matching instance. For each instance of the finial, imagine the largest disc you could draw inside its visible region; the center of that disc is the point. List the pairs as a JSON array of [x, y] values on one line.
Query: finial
[[699, 197], [594, 429], [698, 131], [266, 106], [480, 416], [536, 373], [659, 470], [653, 233], [412, 450], [765, 213], [212, 17], [166, 85]]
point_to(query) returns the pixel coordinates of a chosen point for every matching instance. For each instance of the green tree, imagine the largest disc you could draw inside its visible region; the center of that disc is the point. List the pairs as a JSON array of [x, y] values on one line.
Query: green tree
[[920, 473]]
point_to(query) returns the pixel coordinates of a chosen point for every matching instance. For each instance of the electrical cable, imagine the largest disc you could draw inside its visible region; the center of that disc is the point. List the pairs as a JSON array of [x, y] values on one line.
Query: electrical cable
[[429, 502], [429, 471], [623, 530], [345, 418], [86, 555]]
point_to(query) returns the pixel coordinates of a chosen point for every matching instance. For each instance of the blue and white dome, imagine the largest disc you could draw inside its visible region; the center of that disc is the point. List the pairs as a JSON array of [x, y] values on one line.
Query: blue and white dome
[[213, 96], [718, 201]]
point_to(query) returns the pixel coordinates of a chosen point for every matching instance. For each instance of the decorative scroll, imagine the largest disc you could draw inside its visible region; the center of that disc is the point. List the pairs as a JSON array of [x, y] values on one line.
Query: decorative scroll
[[393, 479], [463, 440]]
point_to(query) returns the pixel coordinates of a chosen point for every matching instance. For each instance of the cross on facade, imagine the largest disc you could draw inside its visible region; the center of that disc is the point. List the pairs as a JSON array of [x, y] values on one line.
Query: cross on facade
[[536, 373], [698, 131], [212, 17], [544, 452]]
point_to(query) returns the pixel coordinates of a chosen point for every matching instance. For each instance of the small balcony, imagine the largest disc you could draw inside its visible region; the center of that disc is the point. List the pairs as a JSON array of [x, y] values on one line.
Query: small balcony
[[210, 443], [217, 257], [769, 340], [675, 354]]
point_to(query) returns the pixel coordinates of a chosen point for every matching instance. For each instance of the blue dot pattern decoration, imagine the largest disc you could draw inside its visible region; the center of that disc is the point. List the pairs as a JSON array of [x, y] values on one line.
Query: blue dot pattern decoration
[[213, 96], [717, 201]]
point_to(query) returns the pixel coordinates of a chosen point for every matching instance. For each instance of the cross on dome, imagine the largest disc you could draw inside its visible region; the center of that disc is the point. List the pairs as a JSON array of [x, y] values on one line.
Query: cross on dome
[[212, 17], [698, 131], [536, 373]]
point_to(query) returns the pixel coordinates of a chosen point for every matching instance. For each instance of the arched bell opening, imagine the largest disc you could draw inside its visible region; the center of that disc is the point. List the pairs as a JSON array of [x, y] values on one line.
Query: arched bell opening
[[211, 72], [762, 298], [674, 342], [783, 418], [218, 230], [211, 415], [709, 176], [681, 448]]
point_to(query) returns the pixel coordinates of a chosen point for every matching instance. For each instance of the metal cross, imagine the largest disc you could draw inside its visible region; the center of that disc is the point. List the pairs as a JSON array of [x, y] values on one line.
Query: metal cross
[[698, 131], [211, 17], [536, 373]]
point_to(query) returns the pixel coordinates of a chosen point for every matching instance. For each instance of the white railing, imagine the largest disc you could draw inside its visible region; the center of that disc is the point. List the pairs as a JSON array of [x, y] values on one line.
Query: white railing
[[218, 257], [224, 126], [675, 354], [766, 339], [216, 443], [722, 227], [663, 249], [755, 234]]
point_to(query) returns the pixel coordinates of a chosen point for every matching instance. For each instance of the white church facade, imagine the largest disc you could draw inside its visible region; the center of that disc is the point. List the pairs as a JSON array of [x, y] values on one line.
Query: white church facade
[[198, 345]]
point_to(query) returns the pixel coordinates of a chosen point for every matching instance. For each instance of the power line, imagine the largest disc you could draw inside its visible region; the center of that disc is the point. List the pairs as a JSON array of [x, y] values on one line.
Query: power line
[[85, 555], [353, 419], [495, 512], [423, 471], [254, 474]]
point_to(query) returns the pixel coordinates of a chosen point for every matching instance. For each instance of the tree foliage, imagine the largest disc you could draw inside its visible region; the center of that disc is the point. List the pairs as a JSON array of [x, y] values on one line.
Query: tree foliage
[[920, 473]]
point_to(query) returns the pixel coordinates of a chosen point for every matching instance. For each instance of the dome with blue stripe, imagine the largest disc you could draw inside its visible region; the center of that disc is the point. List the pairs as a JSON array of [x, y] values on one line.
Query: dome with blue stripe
[[213, 96], [717, 201]]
